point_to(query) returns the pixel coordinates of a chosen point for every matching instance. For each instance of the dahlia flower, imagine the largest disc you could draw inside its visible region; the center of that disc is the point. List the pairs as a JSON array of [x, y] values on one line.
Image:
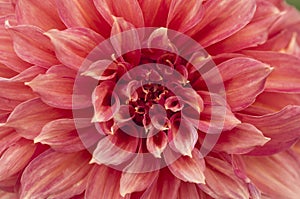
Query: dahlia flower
[[160, 99]]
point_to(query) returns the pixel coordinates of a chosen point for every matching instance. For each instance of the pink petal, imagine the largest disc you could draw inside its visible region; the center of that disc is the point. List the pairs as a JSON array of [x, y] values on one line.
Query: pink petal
[[8, 56], [219, 23], [6, 8], [61, 135], [103, 183], [155, 14], [274, 126], [276, 176], [250, 73], [115, 149], [56, 89], [130, 10], [63, 175], [221, 182], [182, 136], [8, 195], [32, 46], [6, 72], [254, 34], [139, 174], [82, 14], [126, 45], [15, 158], [242, 139], [165, 186], [74, 44], [8, 137], [187, 169], [157, 143], [106, 103], [188, 190], [269, 102], [28, 74], [28, 10], [184, 15], [29, 123], [285, 76]]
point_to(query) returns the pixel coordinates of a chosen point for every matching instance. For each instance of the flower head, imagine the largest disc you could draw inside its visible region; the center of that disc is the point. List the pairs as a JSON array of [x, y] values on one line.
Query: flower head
[[149, 99]]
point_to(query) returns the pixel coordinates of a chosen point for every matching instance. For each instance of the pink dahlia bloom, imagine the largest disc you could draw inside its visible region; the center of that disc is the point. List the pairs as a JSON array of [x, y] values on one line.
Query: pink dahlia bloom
[[149, 99]]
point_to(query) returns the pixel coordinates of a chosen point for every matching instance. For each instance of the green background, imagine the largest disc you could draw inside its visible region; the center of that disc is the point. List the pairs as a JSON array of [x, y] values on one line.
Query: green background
[[296, 3]]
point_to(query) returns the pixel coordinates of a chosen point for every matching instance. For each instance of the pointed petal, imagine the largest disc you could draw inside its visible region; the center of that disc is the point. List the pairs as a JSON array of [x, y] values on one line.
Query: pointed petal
[[56, 89], [276, 176], [103, 183], [282, 127], [61, 135], [182, 136], [73, 45], [139, 174], [32, 46], [184, 15], [49, 166], [219, 23], [82, 14], [285, 76], [157, 143], [242, 139], [29, 123], [269, 102], [28, 74], [15, 158], [250, 73], [165, 186], [28, 10], [130, 10], [221, 182], [8, 137], [116, 149], [6, 72], [187, 169]]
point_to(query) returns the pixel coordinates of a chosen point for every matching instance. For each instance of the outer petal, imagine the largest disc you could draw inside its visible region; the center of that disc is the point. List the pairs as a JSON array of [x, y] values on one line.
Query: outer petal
[[250, 73], [276, 176], [82, 13], [32, 46], [61, 135], [218, 22], [29, 123], [74, 44], [103, 183], [221, 182], [282, 127], [184, 15], [286, 73], [188, 190], [6, 72], [188, 169], [130, 10], [242, 139], [165, 186], [47, 169], [15, 158], [28, 10], [8, 195], [8, 137]]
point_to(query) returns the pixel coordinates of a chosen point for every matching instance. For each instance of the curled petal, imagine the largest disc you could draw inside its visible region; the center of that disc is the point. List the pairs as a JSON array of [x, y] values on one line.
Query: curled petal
[[27, 10], [285, 76], [106, 103], [242, 139], [272, 125], [73, 45], [157, 143], [188, 169], [29, 123], [182, 136], [74, 168]]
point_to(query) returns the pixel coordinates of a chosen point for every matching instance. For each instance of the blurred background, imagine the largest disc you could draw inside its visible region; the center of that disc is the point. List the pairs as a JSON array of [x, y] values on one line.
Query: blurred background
[[296, 3]]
